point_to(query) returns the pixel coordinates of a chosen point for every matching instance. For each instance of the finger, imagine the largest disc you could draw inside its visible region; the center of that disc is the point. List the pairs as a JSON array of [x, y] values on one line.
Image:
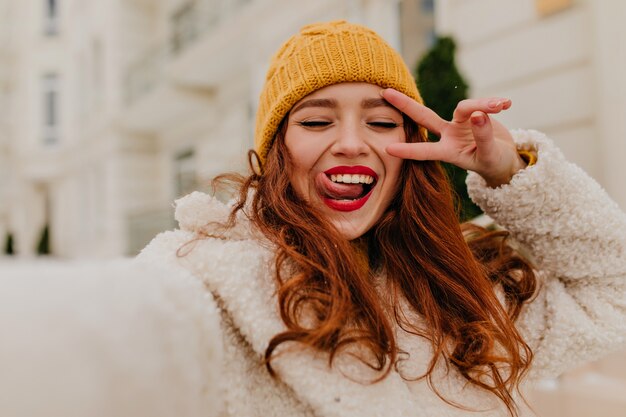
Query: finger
[[490, 105], [419, 113], [482, 130], [423, 151]]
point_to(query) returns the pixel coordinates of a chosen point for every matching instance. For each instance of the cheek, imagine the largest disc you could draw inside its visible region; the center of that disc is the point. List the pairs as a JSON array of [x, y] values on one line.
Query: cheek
[[304, 154], [393, 165], [301, 150], [300, 176], [299, 180], [301, 159], [393, 171]]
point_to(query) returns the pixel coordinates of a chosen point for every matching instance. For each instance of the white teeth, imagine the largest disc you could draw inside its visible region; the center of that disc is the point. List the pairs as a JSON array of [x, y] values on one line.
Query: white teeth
[[352, 178]]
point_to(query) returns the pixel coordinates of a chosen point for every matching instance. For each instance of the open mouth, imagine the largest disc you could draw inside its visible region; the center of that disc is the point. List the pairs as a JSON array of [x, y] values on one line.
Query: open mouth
[[346, 188]]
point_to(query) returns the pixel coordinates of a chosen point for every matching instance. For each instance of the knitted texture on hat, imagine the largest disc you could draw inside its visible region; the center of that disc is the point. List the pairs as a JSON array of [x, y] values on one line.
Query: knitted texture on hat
[[320, 55]]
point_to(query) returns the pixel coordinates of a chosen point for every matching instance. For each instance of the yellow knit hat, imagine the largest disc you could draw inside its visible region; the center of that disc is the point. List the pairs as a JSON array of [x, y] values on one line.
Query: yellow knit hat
[[323, 54]]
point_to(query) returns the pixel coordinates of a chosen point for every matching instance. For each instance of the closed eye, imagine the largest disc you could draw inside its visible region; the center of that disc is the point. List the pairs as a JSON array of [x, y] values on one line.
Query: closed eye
[[314, 123], [384, 125]]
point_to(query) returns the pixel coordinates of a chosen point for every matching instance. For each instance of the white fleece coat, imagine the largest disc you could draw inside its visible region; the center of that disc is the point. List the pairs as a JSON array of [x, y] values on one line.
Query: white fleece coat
[[575, 233], [149, 339], [106, 339]]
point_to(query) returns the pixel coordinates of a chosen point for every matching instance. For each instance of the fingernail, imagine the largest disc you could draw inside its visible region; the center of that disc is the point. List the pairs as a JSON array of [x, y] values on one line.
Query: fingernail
[[478, 120], [494, 103], [382, 92]]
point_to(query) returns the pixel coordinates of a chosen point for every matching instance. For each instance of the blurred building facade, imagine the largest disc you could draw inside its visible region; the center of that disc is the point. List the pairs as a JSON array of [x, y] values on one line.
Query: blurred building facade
[[112, 109], [5, 117], [67, 161], [117, 108], [562, 62]]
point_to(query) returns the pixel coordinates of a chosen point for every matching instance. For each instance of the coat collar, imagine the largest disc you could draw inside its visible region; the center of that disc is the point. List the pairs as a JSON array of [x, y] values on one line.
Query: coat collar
[[239, 269]]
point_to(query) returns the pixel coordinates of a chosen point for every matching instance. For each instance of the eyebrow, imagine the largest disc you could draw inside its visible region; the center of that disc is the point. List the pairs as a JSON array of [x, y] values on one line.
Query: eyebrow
[[316, 102], [371, 103], [367, 103]]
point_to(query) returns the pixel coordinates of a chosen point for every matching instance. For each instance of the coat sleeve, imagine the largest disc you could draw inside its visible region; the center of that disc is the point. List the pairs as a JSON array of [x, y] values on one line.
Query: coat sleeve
[[576, 237], [119, 338]]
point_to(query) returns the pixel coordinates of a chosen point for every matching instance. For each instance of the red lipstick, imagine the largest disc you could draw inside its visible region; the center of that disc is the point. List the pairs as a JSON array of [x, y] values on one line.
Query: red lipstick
[[345, 204], [356, 169]]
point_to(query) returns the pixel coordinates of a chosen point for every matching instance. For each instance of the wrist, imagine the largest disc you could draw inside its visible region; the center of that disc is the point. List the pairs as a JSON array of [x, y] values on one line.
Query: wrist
[[521, 160]]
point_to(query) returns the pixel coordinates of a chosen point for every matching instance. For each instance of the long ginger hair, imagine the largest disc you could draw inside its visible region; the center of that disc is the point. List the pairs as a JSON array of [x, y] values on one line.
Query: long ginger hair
[[446, 272]]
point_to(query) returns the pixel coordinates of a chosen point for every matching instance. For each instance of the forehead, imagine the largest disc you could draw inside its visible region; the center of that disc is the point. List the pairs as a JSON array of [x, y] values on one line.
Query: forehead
[[365, 94]]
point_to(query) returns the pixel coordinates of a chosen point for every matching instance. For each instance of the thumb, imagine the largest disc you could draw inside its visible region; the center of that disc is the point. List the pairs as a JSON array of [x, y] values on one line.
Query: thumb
[[481, 129]]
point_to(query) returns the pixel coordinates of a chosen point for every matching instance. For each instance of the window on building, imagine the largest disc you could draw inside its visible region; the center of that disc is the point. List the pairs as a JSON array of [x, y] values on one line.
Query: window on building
[[184, 26], [50, 100], [417, 28], [185, 173], [428, 6], [51, 17]]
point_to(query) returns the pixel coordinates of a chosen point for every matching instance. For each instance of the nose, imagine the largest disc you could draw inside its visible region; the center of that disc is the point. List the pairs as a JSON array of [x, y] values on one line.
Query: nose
[[349, 142]]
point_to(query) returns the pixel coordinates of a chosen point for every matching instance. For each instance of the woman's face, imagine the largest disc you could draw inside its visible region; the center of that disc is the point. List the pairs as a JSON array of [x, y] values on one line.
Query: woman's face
[[336, 137]]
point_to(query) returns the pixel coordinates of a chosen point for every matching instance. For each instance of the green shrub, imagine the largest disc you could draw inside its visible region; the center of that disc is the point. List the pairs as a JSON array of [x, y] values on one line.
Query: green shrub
[[442, 87], [8, 245]]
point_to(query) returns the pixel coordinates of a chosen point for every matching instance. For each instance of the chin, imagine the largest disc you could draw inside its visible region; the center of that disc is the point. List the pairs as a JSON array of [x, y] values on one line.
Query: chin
[[350, 231], [353, 225]]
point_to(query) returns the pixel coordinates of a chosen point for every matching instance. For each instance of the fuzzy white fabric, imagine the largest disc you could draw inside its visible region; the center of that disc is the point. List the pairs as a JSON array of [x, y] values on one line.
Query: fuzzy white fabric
[[182, 331], [576, 234], [106, 339], [577, 237]]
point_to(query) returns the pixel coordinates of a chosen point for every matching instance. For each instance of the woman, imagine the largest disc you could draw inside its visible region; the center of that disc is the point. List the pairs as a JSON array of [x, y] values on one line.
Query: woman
[[344, 283]]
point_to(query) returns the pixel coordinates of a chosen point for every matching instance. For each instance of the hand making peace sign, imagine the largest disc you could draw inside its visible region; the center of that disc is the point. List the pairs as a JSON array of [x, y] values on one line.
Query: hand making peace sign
[[471, 140]]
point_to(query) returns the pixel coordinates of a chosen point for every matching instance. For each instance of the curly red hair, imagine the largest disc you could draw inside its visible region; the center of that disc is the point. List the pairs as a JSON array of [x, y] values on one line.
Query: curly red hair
[[446, 272]]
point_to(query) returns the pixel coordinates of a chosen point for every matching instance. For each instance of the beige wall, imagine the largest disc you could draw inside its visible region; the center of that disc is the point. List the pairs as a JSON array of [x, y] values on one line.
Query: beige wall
[[130, 105], [417, 25], [84, 185], [562, 70]]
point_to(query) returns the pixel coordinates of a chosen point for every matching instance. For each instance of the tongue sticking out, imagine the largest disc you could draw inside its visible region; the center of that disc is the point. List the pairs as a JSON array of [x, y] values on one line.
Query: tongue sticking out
[[338, 191]]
